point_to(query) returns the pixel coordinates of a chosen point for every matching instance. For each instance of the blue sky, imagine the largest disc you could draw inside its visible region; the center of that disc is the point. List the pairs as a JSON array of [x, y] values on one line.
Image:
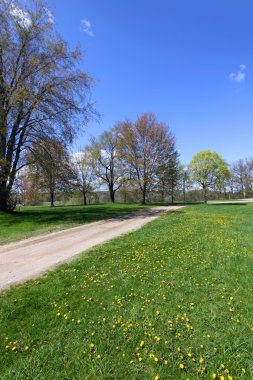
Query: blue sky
[[189, 62]]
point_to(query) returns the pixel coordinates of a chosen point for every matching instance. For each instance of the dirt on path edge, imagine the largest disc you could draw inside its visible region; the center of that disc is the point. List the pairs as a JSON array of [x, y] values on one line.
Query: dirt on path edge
[[31, 258]]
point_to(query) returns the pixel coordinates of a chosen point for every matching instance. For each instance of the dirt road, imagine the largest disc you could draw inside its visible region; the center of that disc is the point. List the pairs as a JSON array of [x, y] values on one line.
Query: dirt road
[[30, 258]]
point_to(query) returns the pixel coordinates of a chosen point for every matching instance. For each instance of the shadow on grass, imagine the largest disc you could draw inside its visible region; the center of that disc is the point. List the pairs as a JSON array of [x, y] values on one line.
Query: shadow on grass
[[66, 215]]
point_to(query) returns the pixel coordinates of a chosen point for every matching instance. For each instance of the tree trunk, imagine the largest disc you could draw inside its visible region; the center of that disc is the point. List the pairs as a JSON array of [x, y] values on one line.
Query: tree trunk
[[4, 197], [52, 199], [112, 194], [143, 200], [172, 194], [84, 198], [205, 194]]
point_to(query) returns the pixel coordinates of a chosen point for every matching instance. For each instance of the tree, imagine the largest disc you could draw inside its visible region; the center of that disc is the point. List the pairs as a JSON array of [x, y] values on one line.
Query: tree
[[242, 175], [84, 173], [42, 92], [51, 169], [169, 175], [105, 161], [145, 147], [208, 169]]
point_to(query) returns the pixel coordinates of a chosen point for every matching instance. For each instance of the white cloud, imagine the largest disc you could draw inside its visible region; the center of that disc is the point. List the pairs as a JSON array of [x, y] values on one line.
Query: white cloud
[[21, 16], [240, 75], [86, 27]]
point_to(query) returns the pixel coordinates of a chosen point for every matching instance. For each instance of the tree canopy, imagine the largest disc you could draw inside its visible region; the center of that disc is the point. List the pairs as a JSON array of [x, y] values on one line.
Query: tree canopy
[[42, 92], [146, 147], [208, 169]]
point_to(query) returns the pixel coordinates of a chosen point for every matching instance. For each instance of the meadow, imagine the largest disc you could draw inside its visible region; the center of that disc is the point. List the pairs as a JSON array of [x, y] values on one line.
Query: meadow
[[25, 221], [170, 301]]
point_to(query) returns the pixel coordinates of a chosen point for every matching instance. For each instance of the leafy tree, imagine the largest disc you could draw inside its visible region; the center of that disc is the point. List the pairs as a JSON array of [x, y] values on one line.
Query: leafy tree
[[145, 147], [42, 92], [105, 161], [208, 169]]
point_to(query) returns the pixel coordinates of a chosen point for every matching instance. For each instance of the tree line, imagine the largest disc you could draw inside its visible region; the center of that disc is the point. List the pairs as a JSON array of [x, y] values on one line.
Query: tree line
[[44, 104], [137, 158], [140, 155]]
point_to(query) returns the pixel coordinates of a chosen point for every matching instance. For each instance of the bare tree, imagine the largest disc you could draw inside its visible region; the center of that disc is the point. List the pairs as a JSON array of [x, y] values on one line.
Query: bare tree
[[105, 161], [84, 173], [145, 146], [242, 175], [41, 88]]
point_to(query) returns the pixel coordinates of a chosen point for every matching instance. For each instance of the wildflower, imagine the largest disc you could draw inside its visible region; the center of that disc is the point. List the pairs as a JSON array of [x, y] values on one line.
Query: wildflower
[[181, 366]]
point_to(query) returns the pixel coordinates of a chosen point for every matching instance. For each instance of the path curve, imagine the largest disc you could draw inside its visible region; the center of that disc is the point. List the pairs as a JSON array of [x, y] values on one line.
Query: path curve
[[30, 258]]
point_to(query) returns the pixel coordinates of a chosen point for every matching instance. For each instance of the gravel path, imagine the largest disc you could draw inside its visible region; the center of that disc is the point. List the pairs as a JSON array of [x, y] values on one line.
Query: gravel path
[[32, 257]]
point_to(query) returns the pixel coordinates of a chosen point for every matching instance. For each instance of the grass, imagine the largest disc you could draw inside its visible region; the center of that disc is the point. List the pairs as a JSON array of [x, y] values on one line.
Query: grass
[[170, 301], [29, 221]]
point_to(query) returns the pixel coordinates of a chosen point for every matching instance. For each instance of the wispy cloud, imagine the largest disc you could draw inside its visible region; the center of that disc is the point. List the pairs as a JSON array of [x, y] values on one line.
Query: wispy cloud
[[240, 75], [86, 27]]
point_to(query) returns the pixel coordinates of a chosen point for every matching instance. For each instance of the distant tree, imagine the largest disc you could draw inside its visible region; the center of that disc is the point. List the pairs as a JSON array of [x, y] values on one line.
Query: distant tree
[[51, 170], [145, 147], [42, 92], [84, 173], [169, 176], [242, 175], [105, 161], [184, 180], [208, 169]]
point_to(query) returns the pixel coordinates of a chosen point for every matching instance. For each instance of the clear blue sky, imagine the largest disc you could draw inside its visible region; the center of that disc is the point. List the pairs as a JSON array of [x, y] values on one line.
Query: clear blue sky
[[189, 62]]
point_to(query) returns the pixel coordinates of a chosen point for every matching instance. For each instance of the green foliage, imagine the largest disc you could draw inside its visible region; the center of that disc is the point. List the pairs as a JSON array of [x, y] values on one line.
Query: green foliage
[[170, 301], [209, 169]]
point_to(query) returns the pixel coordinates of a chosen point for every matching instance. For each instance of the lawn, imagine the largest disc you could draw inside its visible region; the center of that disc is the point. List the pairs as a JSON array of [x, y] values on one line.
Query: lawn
[[170, 301], [29, 221]]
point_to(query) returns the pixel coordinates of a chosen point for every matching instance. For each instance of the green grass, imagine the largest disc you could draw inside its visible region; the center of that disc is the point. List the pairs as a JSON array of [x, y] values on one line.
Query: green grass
[[172, 300], [29, 221]]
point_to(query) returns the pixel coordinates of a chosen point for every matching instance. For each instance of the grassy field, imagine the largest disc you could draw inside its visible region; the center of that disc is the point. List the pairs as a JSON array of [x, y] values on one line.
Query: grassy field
[[29, 221], [170, 301]]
